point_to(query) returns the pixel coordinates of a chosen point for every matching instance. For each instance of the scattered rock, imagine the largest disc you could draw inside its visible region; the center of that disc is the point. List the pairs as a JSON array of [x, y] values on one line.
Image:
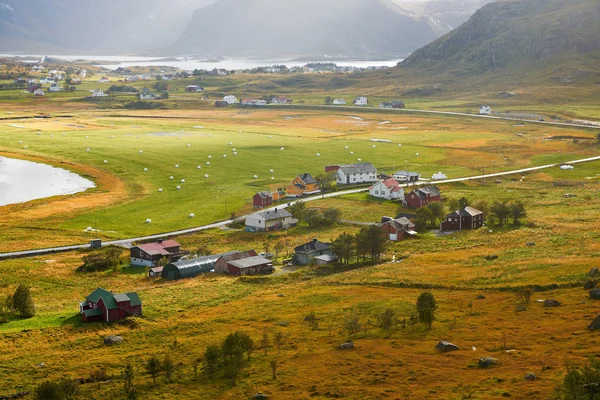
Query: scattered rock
[[589, 285], [568, 195], [445, 347], [486, 362], [595, 325], [260, 396], [41, 365], [520, 308], [595, 294], [491, 257], [480, 297], [281, 295], [530, 244], [112, 339], [530, 377], [19, 395], [594, 272], [346, 346], [551, 303]]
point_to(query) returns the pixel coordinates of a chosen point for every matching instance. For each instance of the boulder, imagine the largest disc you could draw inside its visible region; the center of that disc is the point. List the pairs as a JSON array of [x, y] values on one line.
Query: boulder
[[595, 294], [445, 347], [112, 339], [491, 257], [589, 285], [530, 244], [594, 272], [346, 346], [281, 295], [260, 396], [530, 377], [486, 362], [480, 297], [551, 303], [520, 307], [595, 325]]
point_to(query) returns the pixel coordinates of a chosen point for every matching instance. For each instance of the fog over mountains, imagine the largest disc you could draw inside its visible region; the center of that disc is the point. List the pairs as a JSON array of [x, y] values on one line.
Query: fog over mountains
[[238, 28]]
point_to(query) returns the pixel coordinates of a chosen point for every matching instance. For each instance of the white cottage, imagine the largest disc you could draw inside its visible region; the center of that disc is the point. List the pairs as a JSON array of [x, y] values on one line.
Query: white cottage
[[230, 99], [54, 87], [485, 110], [361, 101], [339, 102], [278, 218], [388, 189], [353, 174], [98, 93]]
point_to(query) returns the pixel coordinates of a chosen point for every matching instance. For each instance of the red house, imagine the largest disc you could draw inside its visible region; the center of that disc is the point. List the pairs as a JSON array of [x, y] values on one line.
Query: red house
[[149, 254], [106, 306], [262, 200], [422, 196], [465, 218], [397, 229], [222, 264]]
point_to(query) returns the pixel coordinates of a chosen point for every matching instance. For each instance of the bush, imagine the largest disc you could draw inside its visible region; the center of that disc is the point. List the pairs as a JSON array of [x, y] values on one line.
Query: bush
[[64, 389], [23, 303], [426, 307], [101, 260]]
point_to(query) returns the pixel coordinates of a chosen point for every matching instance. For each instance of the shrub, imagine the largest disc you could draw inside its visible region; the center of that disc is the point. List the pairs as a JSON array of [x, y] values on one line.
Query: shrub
[[101, 260], [426, 307], [22, 302]]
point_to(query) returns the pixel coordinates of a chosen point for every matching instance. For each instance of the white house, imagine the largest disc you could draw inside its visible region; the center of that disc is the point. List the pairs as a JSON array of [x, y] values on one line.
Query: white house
[[54, 87], [353, 173], [46, 81], [146, 95], [339, 102], [254, 102], [98, 93], [229, 99], [280, 100], [83, 73], [485, 110], [278, 218], [39, 92], [103, 80], [438, 176], [388, 189], [361, 101]]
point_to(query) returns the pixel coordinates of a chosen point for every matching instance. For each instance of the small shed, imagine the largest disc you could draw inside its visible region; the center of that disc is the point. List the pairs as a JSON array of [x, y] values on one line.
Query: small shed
[[262, 199], [324, 259], [155, 272], [250, 266], [96, 243]]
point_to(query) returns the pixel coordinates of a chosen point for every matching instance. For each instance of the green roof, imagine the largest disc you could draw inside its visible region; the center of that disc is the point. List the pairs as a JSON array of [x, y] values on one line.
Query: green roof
[[109, 302], [135, 299], [92, 312], [97, 294]]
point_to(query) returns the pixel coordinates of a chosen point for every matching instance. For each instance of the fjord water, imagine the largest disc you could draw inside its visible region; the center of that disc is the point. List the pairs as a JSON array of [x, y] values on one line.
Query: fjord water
[[22, 181]]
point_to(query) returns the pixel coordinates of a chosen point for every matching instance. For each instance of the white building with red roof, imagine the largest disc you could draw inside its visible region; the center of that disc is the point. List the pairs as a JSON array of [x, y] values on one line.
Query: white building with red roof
[[388, 189], [149, 254]]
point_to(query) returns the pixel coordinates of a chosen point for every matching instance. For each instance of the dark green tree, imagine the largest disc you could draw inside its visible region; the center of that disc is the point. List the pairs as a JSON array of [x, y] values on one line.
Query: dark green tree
[[23, 302], [153, 367], [463, 202], [387, 321], [343, 247], [169, 367], [212, 358], [426, 306], [128, 376], [298, 210], [517, 210], [501, 211]]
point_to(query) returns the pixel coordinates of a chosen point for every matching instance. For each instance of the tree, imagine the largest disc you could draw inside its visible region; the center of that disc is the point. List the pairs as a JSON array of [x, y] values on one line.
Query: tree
[[328, 100], [362, 244], [298, 210], [312, 321], [264, 342], [234, 363], [377, 241], [453, 204], [482, 206], [343, 247], [331, 216], [22, 302], [352, 325], [273, 364], [426, 307], [153, 367], [501, 211], [168, 367], [438, 211], [463, 202], [127, 376], [64, 389], [279, 339], [311, 216], [212, 357], [325, 180], [581, 383], [237, 340], [424, 218], [278, 247], [517, 210], [387, 320]]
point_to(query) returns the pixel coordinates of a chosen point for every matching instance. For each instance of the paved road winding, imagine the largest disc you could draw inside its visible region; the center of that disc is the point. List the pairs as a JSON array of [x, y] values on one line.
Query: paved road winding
[[127, 242]]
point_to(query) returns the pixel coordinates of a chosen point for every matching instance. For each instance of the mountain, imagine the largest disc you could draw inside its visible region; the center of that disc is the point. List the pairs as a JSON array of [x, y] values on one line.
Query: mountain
[[92, 26], [315, 28], [514, 33]]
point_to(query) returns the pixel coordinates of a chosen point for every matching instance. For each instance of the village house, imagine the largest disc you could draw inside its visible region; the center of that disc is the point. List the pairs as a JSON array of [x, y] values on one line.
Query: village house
[[221, 265], [465, 218], [39, 92], [103, 80], [339, 102], [306, 253], [47, 81], [397, 229], [145, 94], [361, 101], [194, 88], [421, 197], [76, 81], [262, 200], [102, 305], [149, 254], [278, 218], [243, 263], [155, 272], [485, 110], [98, 93], [302, 185], [254, 102], [230, 99], [83, 73], [392, 104], [406, 176], [280, 100], [388, 189], [54, 88], [351, 174]]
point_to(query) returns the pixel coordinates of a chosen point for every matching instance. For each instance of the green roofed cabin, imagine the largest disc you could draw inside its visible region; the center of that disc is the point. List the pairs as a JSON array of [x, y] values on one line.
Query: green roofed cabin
[[106, 306]]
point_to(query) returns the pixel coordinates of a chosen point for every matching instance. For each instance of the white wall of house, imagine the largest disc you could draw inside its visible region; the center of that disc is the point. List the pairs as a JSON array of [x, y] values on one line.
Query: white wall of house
[[138, 262], [344, 179], [361, 101], [383, 192], [339, 102], [230, 99]]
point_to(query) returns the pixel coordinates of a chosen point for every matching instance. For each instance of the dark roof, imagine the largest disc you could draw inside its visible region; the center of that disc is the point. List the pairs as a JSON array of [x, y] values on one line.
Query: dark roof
[[250, 262], [97, 294], [264, 195], [134, 298], [428, 190], [158, 248], [307, 178], [464, 212], [238, 255], [364, 168], [311, 246], [276, 213], [405, 173]]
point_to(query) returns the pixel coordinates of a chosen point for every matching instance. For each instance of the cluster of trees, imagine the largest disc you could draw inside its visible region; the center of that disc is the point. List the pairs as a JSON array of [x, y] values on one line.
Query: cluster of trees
[[581, 383], [102, 260], [315, 217], [122, 88], [162, 86], [230, 358], [20, 302], [369, 242], [64, 389]]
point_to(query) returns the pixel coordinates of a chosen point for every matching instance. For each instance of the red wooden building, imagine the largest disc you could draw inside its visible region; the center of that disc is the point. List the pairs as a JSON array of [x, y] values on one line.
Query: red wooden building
[[149, 254], [422, 196], [250, 266], [465, 218], [222, 264], [106, 306], [397, 229], [262, 200]]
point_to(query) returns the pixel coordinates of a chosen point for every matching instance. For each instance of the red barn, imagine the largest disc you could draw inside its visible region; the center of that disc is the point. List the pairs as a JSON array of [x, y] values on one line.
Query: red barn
[[262, 200], [222, 264], [466, 218], [422, 196], [149, 254], [106, 306]]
